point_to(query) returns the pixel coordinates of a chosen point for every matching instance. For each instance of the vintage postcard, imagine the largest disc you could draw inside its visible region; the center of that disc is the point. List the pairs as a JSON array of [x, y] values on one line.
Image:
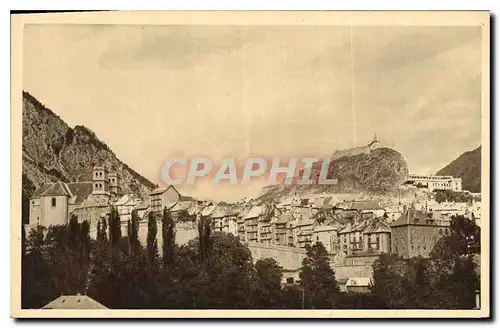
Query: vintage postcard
[[250, 165]]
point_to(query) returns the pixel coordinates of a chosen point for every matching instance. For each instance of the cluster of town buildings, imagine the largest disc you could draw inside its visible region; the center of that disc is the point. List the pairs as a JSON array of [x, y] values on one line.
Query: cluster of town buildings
[[347, 224], [355, 229]]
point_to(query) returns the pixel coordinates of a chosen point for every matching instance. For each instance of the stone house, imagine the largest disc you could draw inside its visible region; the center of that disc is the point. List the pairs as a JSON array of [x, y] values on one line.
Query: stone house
[[161, 197], [416, 232]]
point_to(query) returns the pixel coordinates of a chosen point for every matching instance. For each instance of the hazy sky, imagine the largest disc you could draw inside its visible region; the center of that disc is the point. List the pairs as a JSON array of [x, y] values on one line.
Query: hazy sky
[[153, 91]]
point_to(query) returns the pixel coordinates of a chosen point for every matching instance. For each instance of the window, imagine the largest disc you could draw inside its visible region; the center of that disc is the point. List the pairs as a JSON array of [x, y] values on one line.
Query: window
[[53, 201]]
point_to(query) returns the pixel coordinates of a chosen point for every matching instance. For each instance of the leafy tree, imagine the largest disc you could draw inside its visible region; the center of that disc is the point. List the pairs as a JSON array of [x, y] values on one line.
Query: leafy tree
[[36, 289], [224, 281], [446, 195], [318, 279], [456, 277], [268, 283], [292, 296], [388, 276], [464, 240], [56, 262]]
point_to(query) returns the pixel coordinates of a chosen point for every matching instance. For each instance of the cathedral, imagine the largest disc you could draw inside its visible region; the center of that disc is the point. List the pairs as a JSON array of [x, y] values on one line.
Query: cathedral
[[54, 203]]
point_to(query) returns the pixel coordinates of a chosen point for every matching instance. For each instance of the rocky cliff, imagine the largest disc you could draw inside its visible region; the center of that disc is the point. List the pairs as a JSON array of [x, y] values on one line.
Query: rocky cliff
[[54, 151]]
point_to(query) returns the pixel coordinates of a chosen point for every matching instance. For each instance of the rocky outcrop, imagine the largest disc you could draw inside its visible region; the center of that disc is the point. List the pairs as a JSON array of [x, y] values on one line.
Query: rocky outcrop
[[380, 170]]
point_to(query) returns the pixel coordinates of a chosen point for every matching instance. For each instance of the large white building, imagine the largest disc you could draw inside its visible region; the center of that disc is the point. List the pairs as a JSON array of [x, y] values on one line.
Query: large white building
[[435, 182]]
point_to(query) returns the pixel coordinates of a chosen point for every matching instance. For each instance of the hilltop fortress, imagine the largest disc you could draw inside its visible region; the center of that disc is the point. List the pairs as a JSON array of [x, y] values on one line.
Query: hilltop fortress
[[366, 149]]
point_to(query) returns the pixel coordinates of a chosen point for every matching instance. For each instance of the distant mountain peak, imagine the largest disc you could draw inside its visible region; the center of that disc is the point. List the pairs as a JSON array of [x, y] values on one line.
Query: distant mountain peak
[[468, 167]]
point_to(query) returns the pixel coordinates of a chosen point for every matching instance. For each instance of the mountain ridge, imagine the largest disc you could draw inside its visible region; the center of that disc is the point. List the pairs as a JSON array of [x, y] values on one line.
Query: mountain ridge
[[468, 167], [52, 150]]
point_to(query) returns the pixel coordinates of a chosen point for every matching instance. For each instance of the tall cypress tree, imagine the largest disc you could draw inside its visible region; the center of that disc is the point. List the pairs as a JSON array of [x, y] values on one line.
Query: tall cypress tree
[[152, 245], [204, 231], [99, 233], [133, 234], [115, 232], [102, 231], [168, 235]]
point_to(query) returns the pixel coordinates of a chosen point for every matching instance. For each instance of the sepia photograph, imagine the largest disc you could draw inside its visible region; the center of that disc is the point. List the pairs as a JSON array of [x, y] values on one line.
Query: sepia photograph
[[250, 164]]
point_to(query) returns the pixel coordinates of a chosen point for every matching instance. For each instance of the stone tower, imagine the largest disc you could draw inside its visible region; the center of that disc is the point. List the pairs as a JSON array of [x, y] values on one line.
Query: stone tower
[[100, 185], [114, 187]]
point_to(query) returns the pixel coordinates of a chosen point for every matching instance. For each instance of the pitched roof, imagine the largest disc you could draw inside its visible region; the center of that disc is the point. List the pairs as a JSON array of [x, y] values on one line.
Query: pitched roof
[[365, 206], [414, 217], [57, 189], [43, 188], [377, 226], [359, 282], [255, 212], [158, 191], [285, 202], [305, 222], [123, 200], [80, 191], [207, 210], [162, 190], [244, 212], [74, 302], [181, 206], [346, 228], [143, 205], [325, 228], [194, 208], [235, 210], [360, 226], [284, 218], [220, 212]]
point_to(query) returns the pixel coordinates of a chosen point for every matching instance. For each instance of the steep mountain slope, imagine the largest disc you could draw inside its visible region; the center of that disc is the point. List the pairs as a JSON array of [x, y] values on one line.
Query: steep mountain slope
[[380, 171], [468, 167], [53, 151]]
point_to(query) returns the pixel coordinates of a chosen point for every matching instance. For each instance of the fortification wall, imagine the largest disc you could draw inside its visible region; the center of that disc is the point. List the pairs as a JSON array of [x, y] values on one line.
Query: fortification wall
[[185, 231], [290, 258], [350, 152], [343, 272]]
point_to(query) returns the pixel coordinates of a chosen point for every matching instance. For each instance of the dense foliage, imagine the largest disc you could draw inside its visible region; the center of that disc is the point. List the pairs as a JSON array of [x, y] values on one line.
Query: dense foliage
[[454, 196], [216, 271], [448, 279]]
